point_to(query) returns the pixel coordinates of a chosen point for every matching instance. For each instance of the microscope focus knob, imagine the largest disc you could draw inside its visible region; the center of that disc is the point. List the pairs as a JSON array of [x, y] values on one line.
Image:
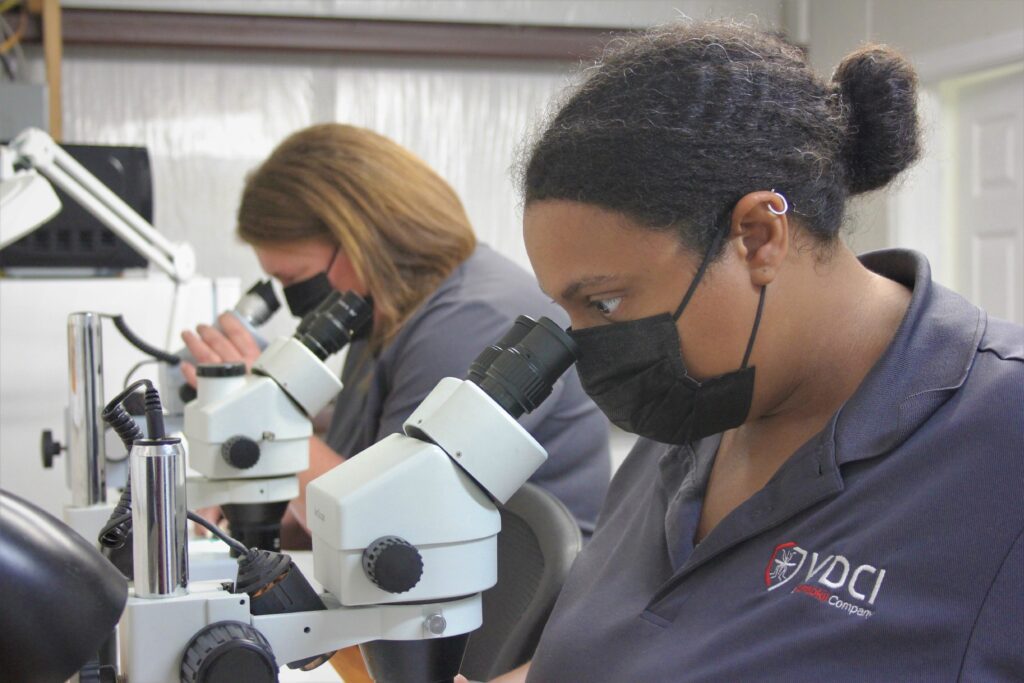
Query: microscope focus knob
[[393, 564], [228, 651], [240, 452]]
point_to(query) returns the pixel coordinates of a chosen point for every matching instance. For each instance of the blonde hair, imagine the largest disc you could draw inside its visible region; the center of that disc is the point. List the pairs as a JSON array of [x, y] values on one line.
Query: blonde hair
[[401, 225]]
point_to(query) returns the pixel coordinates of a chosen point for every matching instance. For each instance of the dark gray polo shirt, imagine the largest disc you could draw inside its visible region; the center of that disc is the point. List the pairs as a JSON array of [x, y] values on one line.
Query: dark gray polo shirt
[[888, 548], [472, 308]]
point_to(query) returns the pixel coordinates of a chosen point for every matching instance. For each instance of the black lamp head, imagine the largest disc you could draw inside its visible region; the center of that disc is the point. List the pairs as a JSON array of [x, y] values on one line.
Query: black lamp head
[[61, 598]]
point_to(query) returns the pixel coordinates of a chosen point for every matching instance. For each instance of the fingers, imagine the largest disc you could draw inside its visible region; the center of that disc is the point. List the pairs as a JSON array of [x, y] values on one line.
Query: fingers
[[188, 371], [239, 337], [199, 349], [219, 344]]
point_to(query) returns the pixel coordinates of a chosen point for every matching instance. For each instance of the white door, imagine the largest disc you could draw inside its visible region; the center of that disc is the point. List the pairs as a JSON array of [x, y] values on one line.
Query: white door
[[990, 194]]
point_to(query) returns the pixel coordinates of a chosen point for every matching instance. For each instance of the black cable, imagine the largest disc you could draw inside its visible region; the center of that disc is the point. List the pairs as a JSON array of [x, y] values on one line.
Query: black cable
[[137, 341], [135, 368], [117, 529], [235, 545]]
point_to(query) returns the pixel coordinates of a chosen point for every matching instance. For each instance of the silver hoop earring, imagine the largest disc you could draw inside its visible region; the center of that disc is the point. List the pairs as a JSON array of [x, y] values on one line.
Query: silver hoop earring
[[785, 204]]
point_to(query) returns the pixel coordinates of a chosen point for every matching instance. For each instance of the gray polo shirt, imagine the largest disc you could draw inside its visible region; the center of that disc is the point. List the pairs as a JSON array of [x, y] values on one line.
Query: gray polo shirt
[[472, 308], [887, 548]]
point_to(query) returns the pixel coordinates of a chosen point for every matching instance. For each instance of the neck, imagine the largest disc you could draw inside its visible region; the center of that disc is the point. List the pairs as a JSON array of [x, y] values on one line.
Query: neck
[[841, 317]]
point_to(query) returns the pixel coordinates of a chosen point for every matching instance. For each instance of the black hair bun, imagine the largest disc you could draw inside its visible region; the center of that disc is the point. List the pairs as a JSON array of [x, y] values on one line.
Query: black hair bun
[[878, 90]]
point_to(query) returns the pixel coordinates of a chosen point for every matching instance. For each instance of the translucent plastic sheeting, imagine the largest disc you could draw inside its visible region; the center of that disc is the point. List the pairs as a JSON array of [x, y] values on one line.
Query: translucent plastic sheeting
[[209, 117], [631, 14]]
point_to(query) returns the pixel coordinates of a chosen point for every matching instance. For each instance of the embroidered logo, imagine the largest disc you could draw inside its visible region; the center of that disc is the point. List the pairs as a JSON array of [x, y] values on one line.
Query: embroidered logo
[[830, 579]]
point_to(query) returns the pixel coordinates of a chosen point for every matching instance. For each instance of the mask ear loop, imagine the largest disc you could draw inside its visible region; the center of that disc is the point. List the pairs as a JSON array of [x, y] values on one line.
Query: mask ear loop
[[712, 250], [757, 324]]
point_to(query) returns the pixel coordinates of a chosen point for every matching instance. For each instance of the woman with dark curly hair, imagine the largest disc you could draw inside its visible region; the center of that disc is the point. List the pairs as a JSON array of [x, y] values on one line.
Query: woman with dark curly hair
[[829, 481]]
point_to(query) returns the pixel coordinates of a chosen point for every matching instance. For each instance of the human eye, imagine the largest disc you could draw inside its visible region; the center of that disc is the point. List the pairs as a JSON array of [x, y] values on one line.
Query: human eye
[[606, 307]]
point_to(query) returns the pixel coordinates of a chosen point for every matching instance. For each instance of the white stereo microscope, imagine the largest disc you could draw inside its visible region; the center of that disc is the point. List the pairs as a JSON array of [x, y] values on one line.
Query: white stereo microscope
[[404, 534], [248, 433]]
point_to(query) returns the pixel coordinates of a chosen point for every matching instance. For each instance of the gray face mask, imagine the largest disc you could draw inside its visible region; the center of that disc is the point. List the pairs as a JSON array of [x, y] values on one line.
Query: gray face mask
[[635, 374]]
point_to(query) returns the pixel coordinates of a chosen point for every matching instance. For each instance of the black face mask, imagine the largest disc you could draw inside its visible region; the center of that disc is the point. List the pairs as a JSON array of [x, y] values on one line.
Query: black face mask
[[302, 297], [635, 374]]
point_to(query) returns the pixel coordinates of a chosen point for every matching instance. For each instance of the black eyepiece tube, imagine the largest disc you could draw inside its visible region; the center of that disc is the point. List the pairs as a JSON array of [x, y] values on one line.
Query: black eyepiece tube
[[521, 377], [520, 328], [333, 324]]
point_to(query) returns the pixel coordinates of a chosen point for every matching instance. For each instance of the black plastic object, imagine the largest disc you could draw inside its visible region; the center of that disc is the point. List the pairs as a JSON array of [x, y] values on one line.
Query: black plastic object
[[478, 368], [60, 598], [74, 238], [256, 525], [220, 370], [50, 448], [264, 289], [393, 564], [434, 660], [521, 377], [240, 452], [276, 586], [538, 542], [334, 323], [228, 651]]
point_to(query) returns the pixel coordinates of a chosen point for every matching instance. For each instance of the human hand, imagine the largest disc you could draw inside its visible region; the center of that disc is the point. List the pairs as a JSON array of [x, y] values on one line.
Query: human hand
[[231, 343]]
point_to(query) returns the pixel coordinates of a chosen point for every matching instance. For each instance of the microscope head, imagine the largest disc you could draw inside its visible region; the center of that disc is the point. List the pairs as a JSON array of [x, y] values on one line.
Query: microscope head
[[265, 416]]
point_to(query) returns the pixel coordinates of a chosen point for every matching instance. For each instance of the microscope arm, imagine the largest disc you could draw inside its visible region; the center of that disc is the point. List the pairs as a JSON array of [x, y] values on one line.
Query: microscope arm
[[338, 626]]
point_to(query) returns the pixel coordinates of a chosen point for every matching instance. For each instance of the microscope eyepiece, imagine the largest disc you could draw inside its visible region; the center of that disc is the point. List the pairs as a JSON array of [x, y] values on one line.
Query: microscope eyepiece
[[333, 324], [520, 376], [258, 303], [478, 369]]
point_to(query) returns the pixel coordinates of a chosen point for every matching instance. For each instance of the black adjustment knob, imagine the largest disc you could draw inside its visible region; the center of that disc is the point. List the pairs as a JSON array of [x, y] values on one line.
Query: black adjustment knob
[[228, 651], [50, 448], [240, 452], [393, 564], [187, 393]]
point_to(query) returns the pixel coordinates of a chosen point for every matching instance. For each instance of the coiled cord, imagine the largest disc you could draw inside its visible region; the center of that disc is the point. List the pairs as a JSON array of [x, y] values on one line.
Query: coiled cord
[[115, 532]]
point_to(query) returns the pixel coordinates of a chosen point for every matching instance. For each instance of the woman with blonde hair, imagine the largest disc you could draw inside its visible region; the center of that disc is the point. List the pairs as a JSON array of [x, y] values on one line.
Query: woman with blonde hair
[[337, 206]]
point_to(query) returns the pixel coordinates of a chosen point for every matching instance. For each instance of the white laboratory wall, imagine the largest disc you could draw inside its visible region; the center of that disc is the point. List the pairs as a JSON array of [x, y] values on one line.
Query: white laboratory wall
[[934, 35]]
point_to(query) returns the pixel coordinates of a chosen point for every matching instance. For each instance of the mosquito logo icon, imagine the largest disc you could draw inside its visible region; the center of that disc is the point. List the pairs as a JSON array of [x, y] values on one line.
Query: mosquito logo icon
[[784, 564]]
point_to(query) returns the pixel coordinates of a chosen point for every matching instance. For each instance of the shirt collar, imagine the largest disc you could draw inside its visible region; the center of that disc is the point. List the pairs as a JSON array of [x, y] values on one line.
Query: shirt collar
[[928, 359]]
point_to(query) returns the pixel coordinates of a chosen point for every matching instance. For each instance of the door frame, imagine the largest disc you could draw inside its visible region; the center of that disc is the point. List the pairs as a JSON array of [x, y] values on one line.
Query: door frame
[[913, 213]]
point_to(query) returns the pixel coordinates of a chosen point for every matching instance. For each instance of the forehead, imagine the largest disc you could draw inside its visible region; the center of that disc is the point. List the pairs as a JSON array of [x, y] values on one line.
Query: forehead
[[285, 260], [570, 241]]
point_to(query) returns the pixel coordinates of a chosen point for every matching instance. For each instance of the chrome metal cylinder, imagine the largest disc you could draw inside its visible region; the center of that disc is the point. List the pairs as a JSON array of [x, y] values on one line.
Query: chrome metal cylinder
[[160, 552], [86, 457]]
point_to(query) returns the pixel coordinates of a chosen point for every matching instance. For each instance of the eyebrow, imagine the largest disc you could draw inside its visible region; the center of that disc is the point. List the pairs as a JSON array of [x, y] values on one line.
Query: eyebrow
[[573, 288]]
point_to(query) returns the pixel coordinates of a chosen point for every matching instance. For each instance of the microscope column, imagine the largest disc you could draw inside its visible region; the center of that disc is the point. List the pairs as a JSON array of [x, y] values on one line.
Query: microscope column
[[158, 518], [86, 457]]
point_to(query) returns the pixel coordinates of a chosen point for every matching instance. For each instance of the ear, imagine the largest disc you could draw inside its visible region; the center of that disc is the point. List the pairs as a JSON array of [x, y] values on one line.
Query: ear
[[760, 236]]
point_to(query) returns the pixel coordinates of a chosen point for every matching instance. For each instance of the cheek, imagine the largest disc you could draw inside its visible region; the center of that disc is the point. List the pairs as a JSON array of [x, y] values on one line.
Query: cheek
[[343, 277]]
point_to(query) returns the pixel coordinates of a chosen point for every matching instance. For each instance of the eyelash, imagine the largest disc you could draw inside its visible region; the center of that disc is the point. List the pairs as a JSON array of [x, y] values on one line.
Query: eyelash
[[599, 303]]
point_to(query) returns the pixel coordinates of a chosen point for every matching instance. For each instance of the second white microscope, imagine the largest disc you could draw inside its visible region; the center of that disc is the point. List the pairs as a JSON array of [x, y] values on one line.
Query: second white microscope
[[248, 433]]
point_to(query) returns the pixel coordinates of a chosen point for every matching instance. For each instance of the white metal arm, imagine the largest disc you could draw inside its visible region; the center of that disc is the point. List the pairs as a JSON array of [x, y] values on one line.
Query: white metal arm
[[37, 149]]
